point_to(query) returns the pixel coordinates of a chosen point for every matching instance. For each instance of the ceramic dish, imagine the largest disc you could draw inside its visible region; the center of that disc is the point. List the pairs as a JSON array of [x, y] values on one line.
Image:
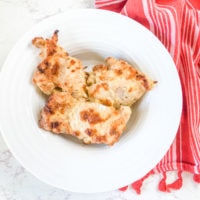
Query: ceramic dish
[[91, 35]]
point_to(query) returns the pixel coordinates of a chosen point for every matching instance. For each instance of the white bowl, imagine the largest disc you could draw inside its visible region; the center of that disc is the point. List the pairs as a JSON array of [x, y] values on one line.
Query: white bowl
[[91, 35]]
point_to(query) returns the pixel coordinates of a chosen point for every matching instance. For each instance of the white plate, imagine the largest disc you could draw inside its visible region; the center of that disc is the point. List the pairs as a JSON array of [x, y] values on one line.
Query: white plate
[[65, 163]]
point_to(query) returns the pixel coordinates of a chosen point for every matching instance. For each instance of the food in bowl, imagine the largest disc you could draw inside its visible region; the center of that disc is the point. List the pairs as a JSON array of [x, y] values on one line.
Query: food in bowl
[[94, 106]]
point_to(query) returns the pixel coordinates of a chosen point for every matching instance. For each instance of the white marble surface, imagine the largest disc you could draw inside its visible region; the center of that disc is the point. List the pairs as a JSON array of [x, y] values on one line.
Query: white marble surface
[[16, 17]]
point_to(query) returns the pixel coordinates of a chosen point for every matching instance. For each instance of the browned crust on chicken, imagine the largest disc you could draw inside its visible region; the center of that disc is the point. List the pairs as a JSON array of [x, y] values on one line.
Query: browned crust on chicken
[[58, 70], [88, 121], [117, 83], [93, 107]]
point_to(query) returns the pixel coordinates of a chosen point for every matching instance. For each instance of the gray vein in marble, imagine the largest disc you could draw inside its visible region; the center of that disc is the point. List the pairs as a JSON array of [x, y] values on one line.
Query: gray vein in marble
[[5, 157], [117, 197]]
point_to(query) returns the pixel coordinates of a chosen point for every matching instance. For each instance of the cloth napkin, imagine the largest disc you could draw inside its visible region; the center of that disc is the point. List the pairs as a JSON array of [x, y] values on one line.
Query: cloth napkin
[[176, 23]]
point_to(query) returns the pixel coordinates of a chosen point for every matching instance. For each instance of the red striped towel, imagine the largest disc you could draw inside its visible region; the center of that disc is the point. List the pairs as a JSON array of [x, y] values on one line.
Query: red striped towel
[[177, 25]]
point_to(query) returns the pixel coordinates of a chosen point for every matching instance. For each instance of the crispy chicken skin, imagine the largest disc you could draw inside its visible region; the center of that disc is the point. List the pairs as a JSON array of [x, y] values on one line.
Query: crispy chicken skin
[[91, 122], [117, 83], [58, 70]]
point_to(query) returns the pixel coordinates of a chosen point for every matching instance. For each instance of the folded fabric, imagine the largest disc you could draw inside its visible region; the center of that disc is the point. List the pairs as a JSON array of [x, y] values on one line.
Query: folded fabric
[[176, 23]]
